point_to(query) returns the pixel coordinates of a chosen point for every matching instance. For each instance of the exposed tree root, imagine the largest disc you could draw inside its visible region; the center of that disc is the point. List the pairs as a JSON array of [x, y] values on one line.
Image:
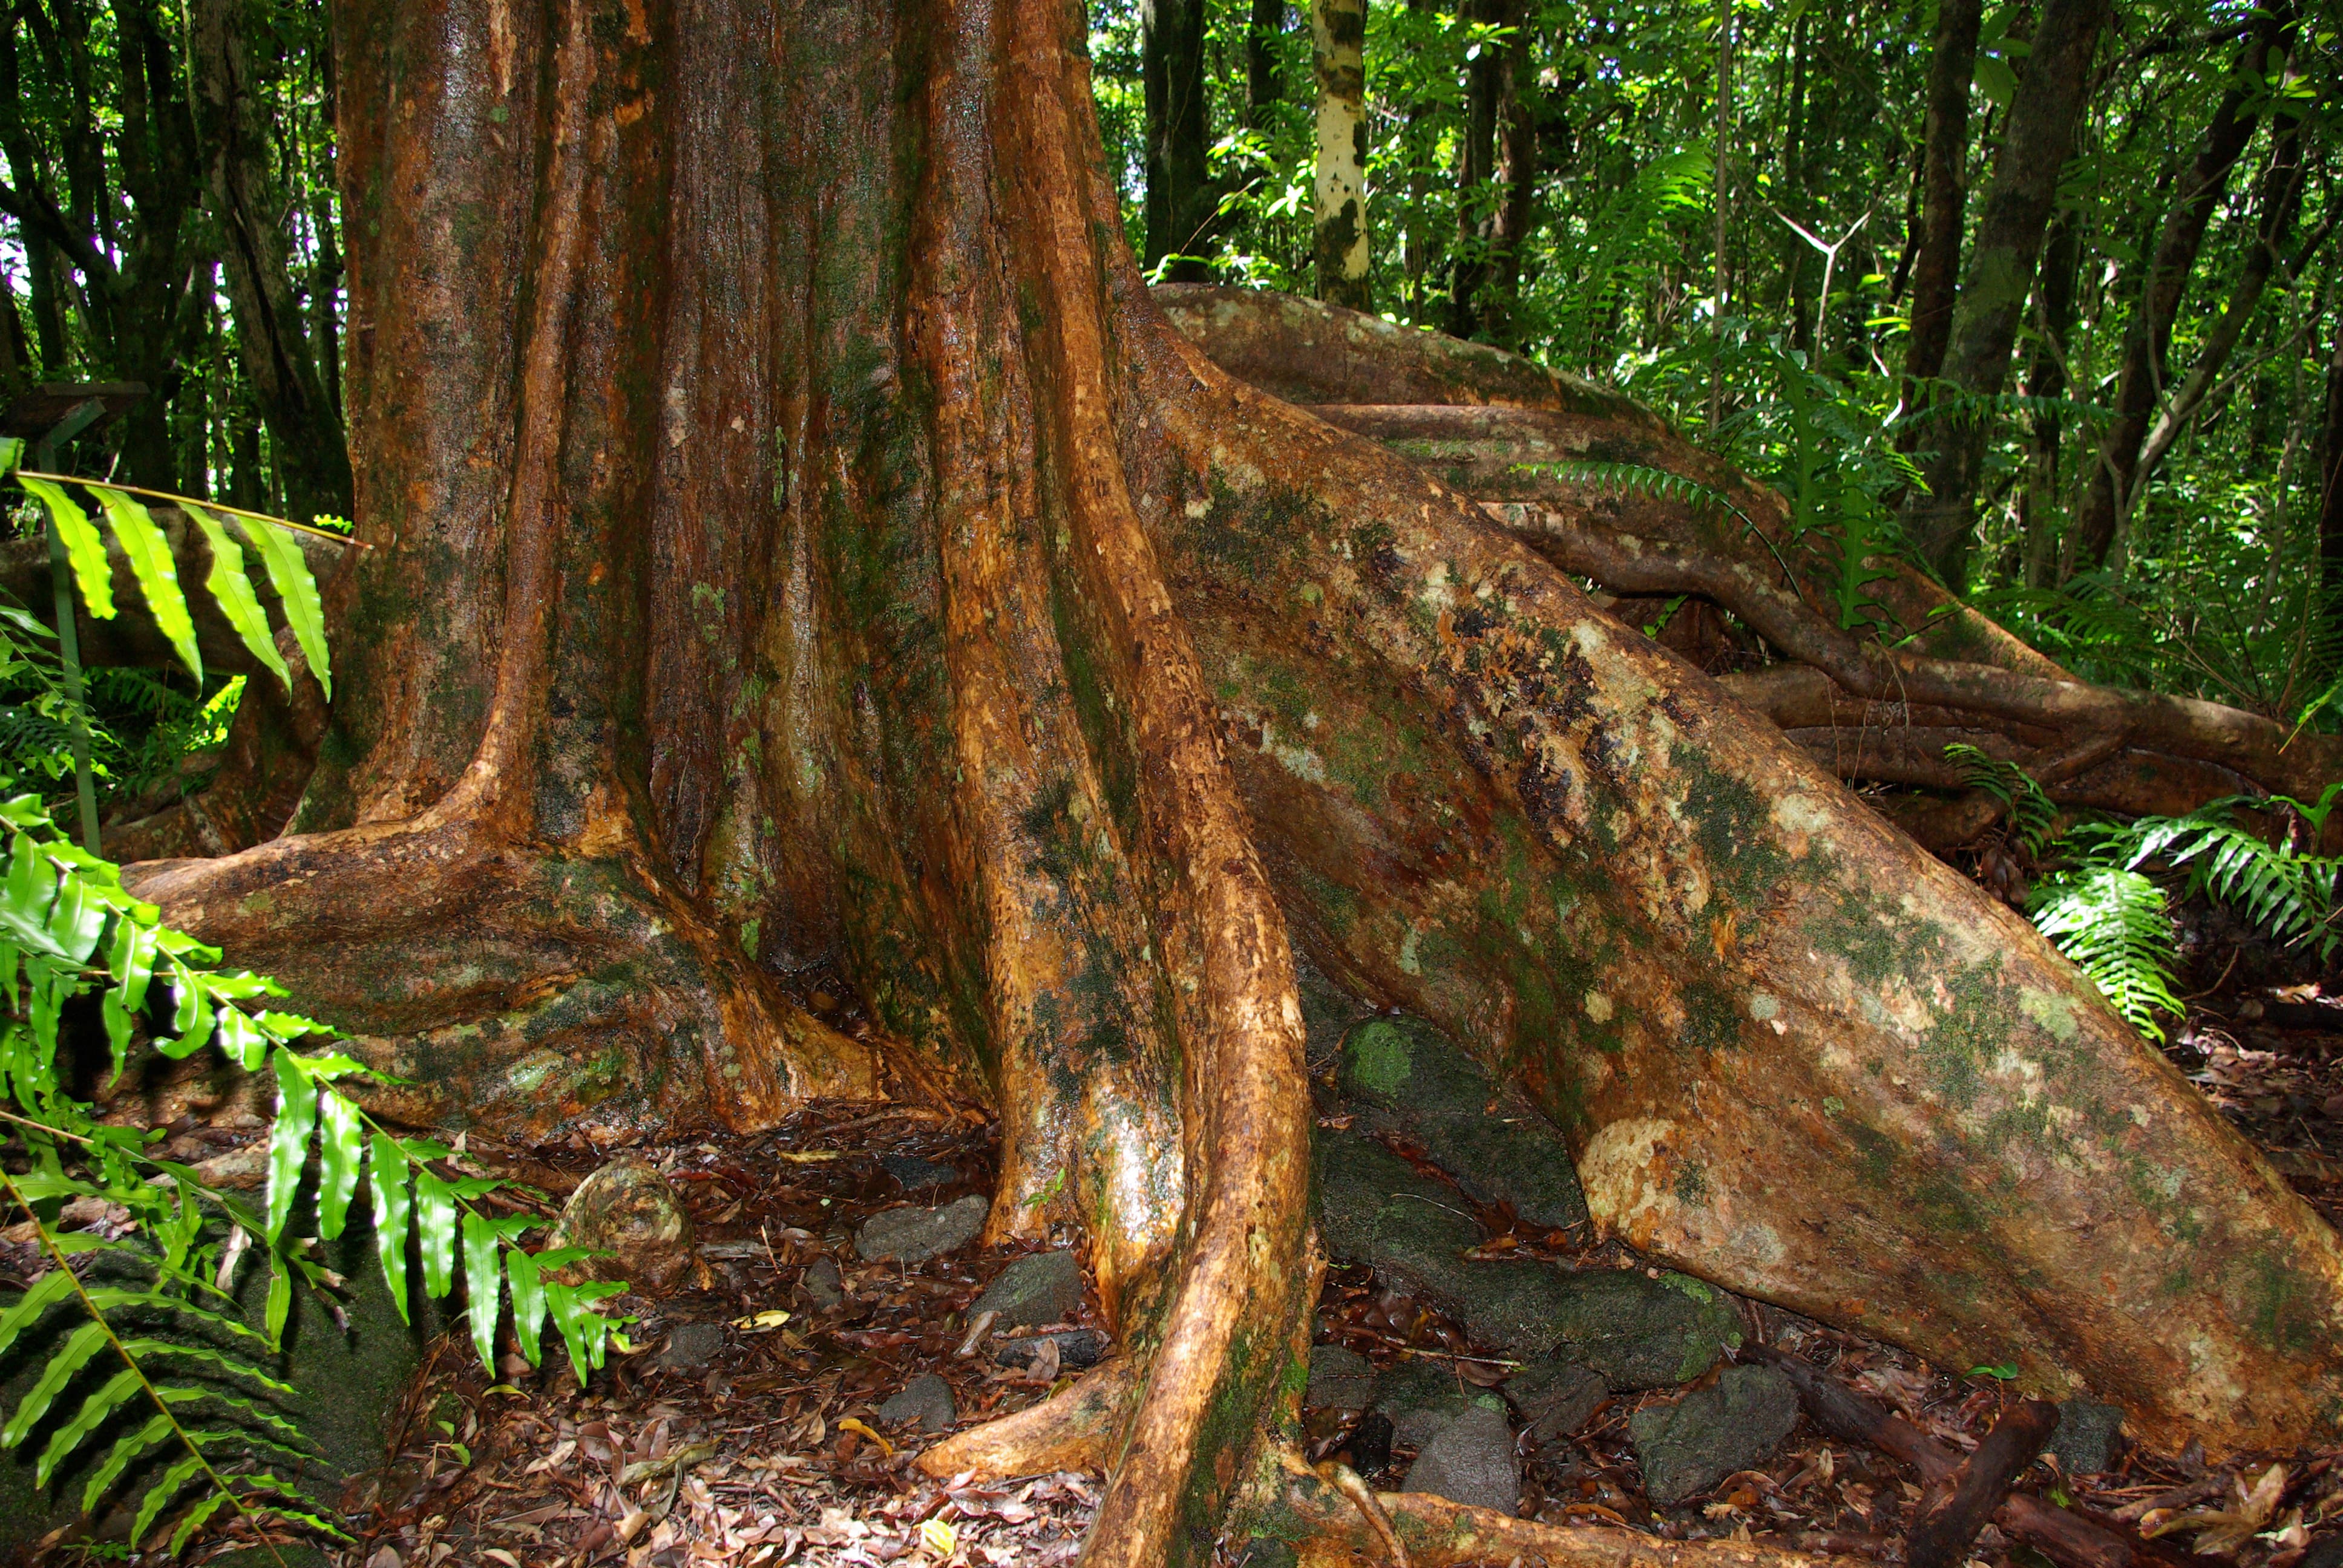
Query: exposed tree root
[[1078, 1428], [1293, 1502], [1474, 417]]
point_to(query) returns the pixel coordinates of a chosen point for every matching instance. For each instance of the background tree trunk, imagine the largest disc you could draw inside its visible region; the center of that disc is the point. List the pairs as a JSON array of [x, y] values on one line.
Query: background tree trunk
[[1264, 72], [2108, 484], [282, 357], [1944, 195], [1338, 39], [2051, 92], [1181, 199]]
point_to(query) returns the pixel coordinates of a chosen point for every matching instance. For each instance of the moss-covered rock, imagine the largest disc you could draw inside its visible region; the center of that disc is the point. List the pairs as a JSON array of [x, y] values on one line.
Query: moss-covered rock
[[1406, 1076]]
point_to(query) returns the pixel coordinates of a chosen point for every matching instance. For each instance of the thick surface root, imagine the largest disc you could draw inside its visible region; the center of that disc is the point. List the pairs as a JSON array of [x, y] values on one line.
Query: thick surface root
[[1295, 1504]]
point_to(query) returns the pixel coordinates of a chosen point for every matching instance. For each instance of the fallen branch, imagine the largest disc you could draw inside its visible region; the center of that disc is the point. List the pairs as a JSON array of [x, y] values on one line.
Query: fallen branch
[[1950, 1515], [2064, 1536]]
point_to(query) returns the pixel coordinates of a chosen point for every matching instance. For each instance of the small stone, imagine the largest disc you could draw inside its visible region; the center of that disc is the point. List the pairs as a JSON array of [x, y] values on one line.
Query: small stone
[[1556, 1398], [1421, 1398], [926, 1403], [2087, 1442], [1472, 1461], [915, 1235], [690, 1346], [1077, 1349], [630, 1211], [825, 1291], [1689, 1446], [1340, 1379], [913, 1174], [1032, 1292]]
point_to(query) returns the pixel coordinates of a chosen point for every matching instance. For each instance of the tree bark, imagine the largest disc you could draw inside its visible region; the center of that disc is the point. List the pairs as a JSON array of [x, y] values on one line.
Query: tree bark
[[1338, 40], [2109, 484], [788, 548], [1180, 200], [2051, 93], [1488, 82], [279, 357], [1944, 195]]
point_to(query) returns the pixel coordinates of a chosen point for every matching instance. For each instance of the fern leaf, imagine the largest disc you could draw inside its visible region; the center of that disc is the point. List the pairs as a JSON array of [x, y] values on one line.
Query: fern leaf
[[288, 573], [341, 1146], [289, 1138], [173, 1481], [46, 1291], [127, 1447], [149, 553], [196, 1519], [233, 590], [435, 1231], [101, 1403], [68, 1359], [527, 1303], [84, 549], [388, 1167], [483, 1285], [2113, 924]]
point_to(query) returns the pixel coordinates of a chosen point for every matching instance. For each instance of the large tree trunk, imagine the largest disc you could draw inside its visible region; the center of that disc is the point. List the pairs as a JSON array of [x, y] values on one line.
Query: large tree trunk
[[799, 537], [2051, 93]]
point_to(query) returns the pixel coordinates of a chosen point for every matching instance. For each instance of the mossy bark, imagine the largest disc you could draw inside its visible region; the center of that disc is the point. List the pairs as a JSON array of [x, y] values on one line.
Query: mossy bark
[[800, 538]]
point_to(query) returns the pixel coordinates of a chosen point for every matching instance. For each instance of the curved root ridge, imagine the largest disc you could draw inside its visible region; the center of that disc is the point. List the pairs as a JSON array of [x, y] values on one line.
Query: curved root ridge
[[1075, 1429]]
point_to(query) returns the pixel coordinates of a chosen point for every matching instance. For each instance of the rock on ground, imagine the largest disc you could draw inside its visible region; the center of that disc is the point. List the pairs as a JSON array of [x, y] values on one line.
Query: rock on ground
[[690, 1346], [1470, 1460], [2087, 1441], [1409, 1076], [915, 1235], [1077, 1349], [913, 1174], [1556, 1398], [823, 1288], [1421, 1398], [1032, 1292], [925, 1403], [1689, 1446], [1637, 1332], [628, 1210], [1339, 1380]]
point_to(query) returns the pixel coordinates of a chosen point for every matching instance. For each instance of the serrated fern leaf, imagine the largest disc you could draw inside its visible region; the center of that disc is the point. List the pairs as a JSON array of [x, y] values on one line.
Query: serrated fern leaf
[[84, 550], [68, 1359], [149, 553], [304, 612], [233, 590]]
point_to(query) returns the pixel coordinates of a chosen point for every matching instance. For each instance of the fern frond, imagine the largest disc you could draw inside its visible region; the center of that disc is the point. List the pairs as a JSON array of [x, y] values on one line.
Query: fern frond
[[2115, 925]]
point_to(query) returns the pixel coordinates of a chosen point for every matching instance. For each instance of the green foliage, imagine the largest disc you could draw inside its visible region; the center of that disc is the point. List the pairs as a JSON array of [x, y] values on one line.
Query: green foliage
[[2113, 922], [68, 930], [2107, 912], [2031, 816]]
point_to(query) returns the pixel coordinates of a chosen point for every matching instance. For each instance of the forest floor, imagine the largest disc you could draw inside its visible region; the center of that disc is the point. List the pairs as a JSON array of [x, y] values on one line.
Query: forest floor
[[725, 1438]]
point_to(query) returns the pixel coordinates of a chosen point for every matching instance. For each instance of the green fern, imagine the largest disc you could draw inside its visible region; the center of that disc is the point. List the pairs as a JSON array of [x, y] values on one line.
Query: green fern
[[148, 553], [2032, 815], [2115, 925], [68, 929]]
